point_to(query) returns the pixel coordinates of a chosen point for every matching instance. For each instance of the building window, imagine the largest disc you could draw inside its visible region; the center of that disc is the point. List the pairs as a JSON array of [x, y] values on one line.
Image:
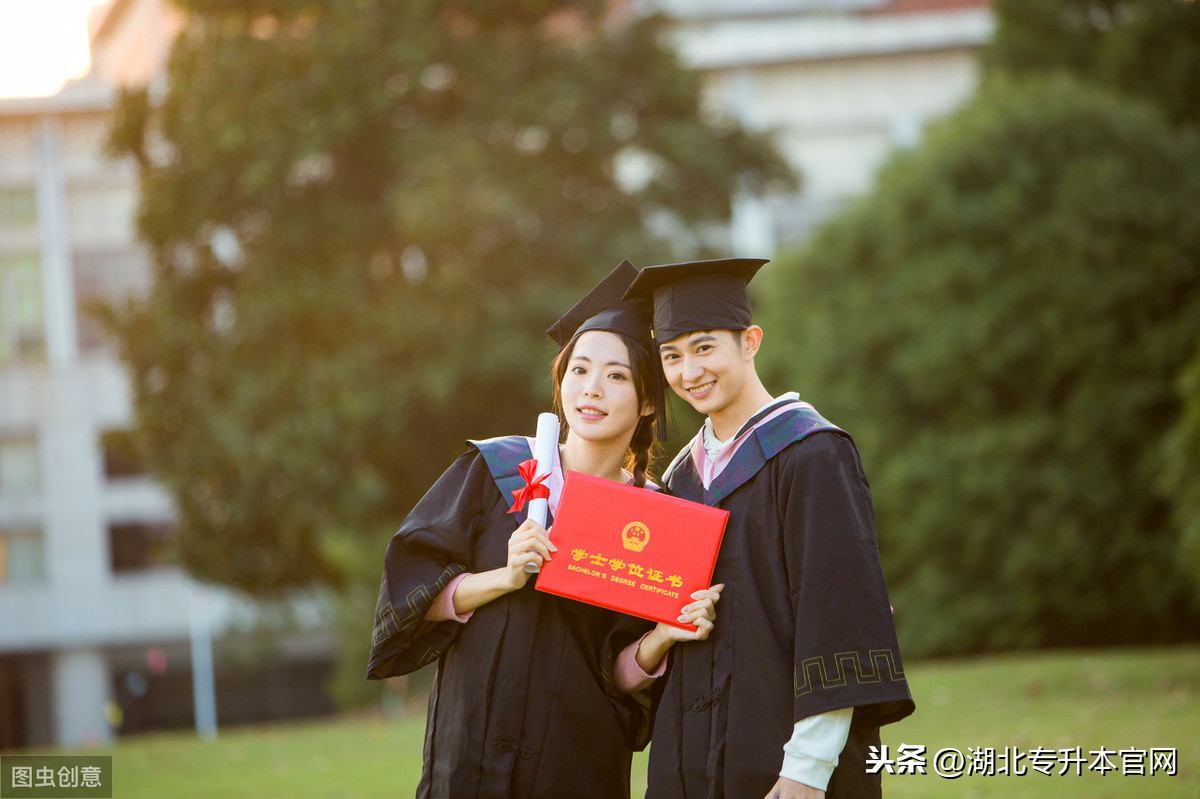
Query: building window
[[18, 207], [22, 334], [140, 547], [121, 456], [19, 472], [22, 556]]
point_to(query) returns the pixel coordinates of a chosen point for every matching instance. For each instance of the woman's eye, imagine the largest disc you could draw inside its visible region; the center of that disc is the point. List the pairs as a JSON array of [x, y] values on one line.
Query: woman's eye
[[578, 370], [616, 376]]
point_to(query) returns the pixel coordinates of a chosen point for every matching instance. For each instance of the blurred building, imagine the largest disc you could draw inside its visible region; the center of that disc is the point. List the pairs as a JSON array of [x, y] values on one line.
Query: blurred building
[[95, 622], [130, 40], [841, 83]]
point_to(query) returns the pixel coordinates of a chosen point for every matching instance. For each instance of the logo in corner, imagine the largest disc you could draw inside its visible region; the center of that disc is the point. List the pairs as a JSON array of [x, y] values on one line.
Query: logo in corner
[[635, 536]]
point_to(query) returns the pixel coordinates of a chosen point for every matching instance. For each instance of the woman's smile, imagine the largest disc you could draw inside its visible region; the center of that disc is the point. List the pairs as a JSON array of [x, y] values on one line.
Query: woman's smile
[[591, 412]]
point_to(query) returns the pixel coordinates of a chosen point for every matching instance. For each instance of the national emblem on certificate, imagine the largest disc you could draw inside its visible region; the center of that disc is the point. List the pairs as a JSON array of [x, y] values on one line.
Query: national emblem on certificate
[[630, 550]]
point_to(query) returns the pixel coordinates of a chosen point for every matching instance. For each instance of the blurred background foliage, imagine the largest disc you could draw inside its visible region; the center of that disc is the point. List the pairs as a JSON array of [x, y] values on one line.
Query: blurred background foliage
[[1009, 325], [362, 217], [1139, 48]]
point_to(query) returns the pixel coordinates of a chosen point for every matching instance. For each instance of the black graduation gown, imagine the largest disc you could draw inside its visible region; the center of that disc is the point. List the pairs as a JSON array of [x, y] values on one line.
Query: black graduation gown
[[523, 703], [803, 626]]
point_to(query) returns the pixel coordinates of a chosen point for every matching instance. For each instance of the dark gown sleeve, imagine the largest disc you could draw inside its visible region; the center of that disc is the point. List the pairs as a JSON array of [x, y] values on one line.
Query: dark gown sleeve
[[634, 709], [432, 546], [846, 654]]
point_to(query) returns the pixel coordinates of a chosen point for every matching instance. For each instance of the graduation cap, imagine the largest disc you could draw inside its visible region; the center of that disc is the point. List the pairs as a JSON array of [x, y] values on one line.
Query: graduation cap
[[700, 295], [606, 308]]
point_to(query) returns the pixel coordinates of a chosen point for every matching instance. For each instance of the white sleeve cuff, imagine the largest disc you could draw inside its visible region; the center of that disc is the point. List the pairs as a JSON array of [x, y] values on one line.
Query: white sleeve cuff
[[812, 753]]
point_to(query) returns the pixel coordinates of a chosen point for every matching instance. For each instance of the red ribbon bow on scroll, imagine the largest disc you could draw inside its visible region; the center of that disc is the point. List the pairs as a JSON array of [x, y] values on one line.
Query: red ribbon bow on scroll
[[533, 488]]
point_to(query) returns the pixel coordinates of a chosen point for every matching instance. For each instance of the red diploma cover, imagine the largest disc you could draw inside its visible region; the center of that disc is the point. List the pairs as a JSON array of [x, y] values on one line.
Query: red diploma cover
[[631, 550]]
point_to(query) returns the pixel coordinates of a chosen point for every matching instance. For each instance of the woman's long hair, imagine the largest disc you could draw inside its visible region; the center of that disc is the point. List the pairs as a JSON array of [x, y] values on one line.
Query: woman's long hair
[[647, 382]]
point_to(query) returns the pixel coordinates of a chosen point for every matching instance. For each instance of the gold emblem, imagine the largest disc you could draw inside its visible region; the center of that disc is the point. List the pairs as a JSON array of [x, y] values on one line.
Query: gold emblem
[[635, 536]]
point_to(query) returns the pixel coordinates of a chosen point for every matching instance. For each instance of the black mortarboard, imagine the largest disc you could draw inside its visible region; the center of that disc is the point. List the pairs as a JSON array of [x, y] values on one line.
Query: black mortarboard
[[605, 308], [701, 295]]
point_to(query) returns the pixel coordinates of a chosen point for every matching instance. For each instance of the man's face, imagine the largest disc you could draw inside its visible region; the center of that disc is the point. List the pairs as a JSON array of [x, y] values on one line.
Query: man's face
[[706, 368]]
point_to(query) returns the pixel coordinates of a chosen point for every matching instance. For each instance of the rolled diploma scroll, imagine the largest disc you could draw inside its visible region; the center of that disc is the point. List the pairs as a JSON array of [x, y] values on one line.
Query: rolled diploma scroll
[[545, 447]]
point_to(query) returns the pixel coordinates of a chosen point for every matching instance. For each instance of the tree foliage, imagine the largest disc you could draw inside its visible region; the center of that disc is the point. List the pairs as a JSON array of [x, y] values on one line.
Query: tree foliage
[[361, 216], [1181, 468], [1000, 324], [1149, 49], [1145, 48]]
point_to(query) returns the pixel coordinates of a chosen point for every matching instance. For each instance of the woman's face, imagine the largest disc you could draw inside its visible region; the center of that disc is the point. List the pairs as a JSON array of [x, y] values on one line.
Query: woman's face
[[599, 397]]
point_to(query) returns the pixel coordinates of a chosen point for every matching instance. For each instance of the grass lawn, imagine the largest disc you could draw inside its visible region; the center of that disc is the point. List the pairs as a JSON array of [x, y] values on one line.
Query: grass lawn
[[1118, 699], [1127, 699]]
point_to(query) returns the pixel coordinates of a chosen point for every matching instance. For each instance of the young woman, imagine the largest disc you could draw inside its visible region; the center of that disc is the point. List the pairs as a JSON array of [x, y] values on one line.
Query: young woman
[[525, 702]]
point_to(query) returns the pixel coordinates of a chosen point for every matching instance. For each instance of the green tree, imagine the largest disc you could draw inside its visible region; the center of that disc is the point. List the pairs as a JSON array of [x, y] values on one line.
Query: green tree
[[1149, 49], [1146, 48], [1181, 470], [1000, 324], [361, 216]]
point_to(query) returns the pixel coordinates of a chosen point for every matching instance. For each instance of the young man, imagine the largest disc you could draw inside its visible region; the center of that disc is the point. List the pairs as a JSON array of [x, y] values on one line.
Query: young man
[[802, 668]]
